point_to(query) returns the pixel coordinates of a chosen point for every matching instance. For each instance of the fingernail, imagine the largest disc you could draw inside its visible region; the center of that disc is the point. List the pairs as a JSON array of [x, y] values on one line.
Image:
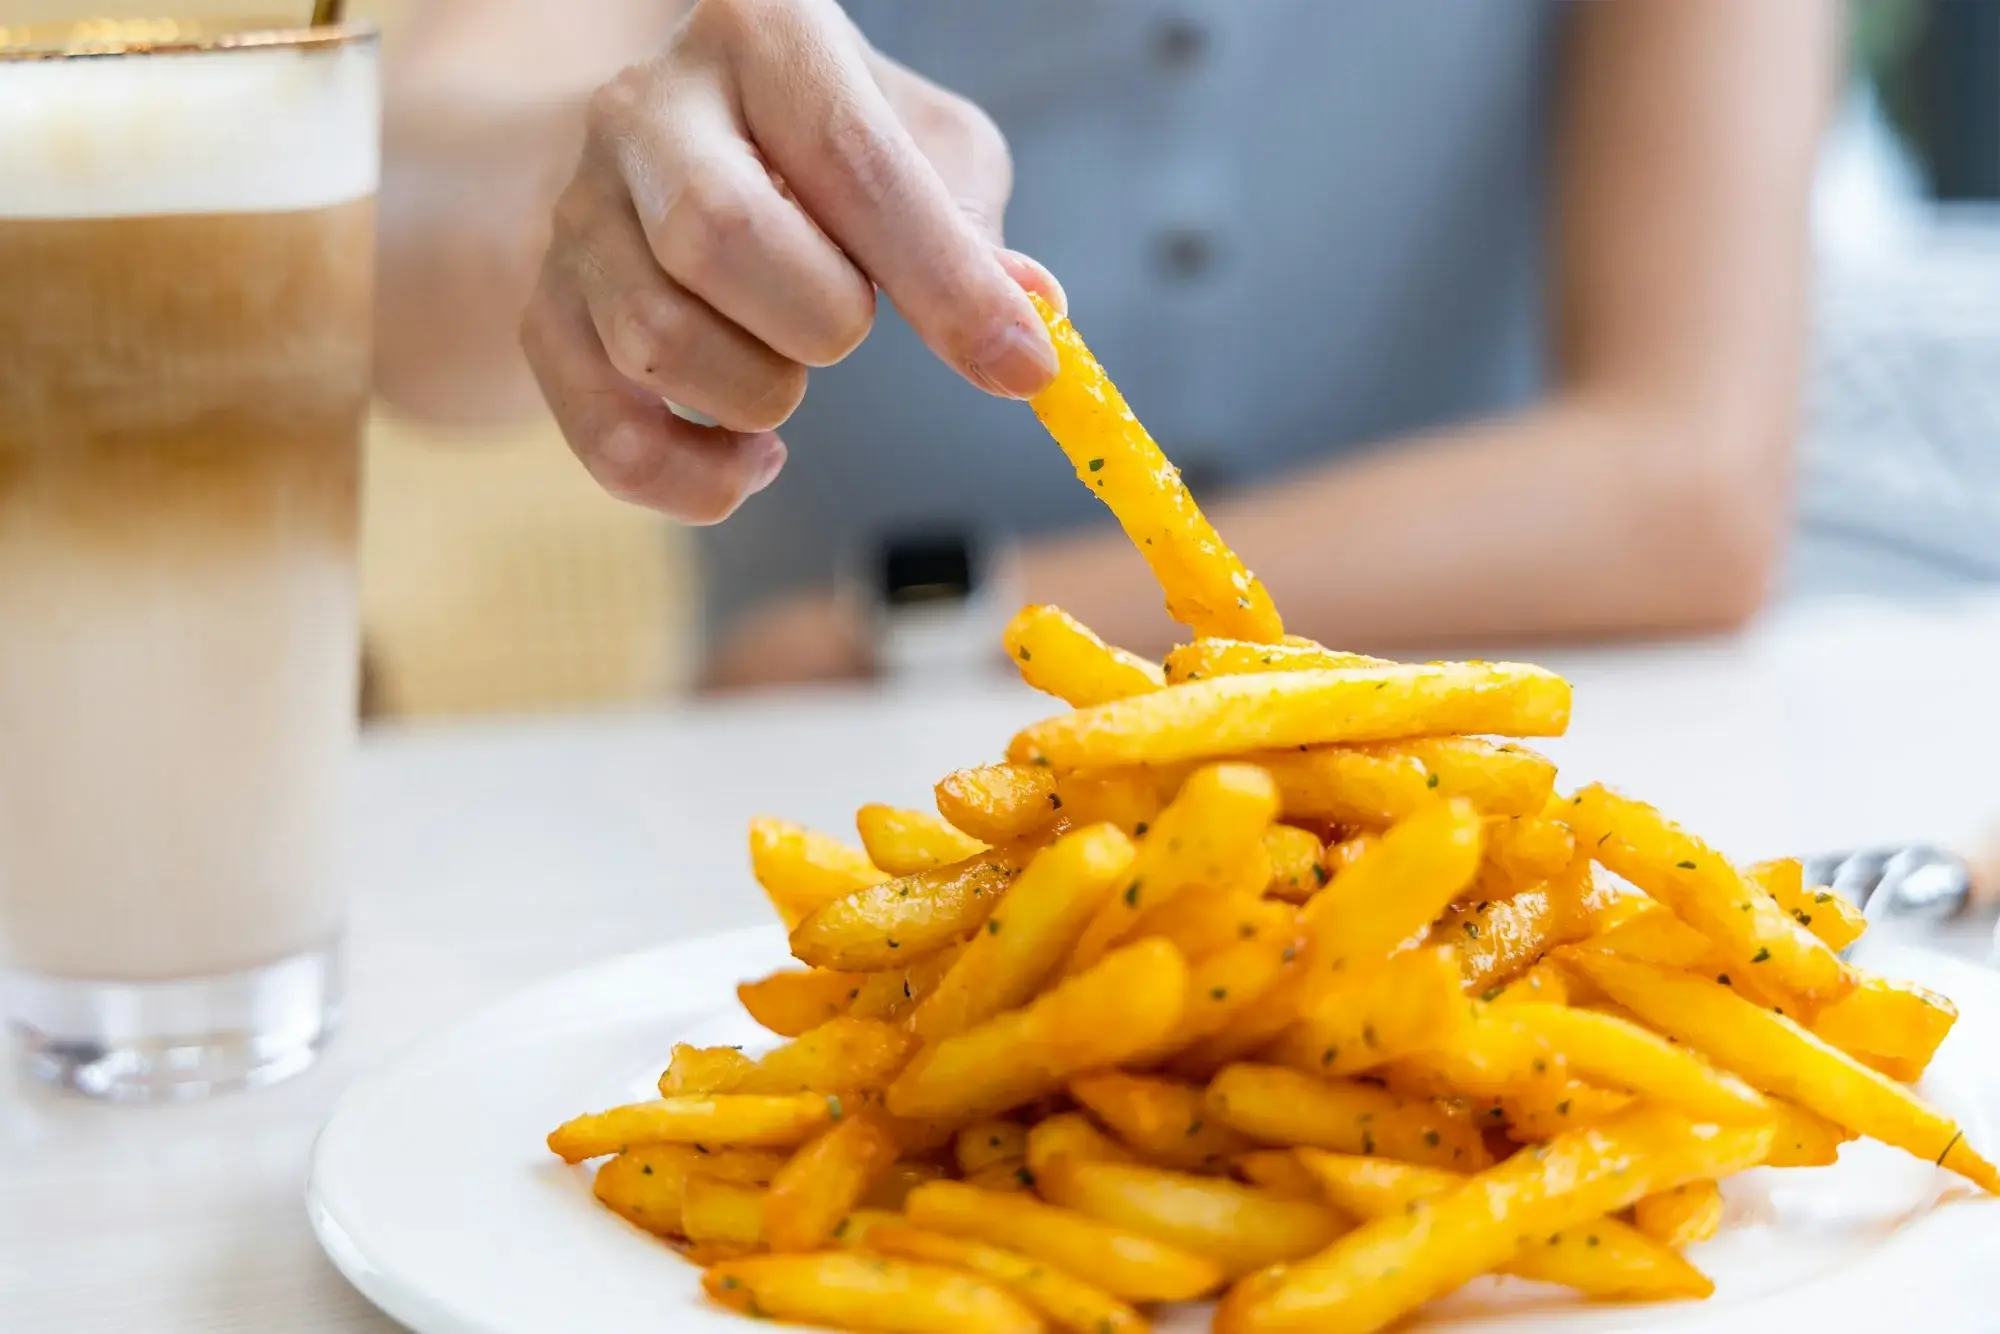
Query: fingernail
[[1018, 360], [1030, 273], [768, 468]]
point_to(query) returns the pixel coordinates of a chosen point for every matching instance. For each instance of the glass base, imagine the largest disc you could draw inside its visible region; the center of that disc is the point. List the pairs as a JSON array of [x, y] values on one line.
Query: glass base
[[175, 1041]]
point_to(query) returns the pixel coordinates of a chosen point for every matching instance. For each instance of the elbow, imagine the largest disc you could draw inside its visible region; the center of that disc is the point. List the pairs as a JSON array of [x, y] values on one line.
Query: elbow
[[1711, 524]]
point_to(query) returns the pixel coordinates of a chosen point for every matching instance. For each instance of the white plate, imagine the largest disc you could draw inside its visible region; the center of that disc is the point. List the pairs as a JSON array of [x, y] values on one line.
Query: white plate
[[432, 1191]]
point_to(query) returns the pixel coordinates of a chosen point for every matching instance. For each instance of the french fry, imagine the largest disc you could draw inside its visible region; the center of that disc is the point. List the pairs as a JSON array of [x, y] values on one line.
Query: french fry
[[1366, 1017], [1777, 1056], [894, 923], [1030, 933], [1623, 1055], [1280, 1172], [867, 1293], [1836, 922], [1377, 783], [1166, 1122], [693, 1071], [1653, 934], [825, 1180], [1240, 1227], [1396, 889], [904, 842], [1895, 1027], [1231, 715], [1126, 1264], [1060, 656], [895, 1185], [842, 1055], [1207, 589], [1548, 1114], [1068, 1302], [1279, 1106], [1002, 1177], [1238, 657], [1126, 1004], [1388, 1267], [726, 1120], [643, 1185], [984, 1143], [1072, 1135], [801, 869], [1498, 778], [1000, 803], [715, 1209], [1343, 854], [895, 993], [1130, 798], [1542, 984], [1202, 922], [1602, 1258], [1492, 1055], [1527, 849], [1296, 872], [1680, 1217], [853, 1231], [1802, 1138], [1700, 885], [792, 1001], [1228, 983]]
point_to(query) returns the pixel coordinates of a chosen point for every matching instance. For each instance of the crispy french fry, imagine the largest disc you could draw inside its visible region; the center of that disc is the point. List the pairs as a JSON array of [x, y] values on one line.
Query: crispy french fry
[[1836, 922], [1385, 781], [1492, 1055], [1680, 1217], [1238, 657], [801, 869], [1895, 1027], [1068, 1302], [862, 1292], [714, 1209], [1344, 853], [1542, 984], [1366, 1017], [1130, 798], [1653, 934], [693, 1071], [893, 924], [1701, 886], [1280, 1172], [1227, 984], [904, 842], [1390, 1266], [1072, 1135], [1231, 715], [1207, 589], [1030, 933], [895, 993], [1281, 1106], [1527, 849], [1296, 872], [1548, 1114], [1058, 655], [1498, 778], [1802, 1138], [731, 1120], [1239, 1227], [895, 1185], [1000, 803], [984, 1143], [1002, 1177], [1127, 1004], [1202, 922], [1623, 1055], [1603, 1257], [792, 1001], [1777, 1056], [1394, 890], [1166, 1122], [853, 1231], [825, 1180], [842, 1055], [643, 1185], [1125, 1263]]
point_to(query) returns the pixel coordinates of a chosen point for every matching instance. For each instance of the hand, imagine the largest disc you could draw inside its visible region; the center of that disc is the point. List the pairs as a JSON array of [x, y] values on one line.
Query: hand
[[740, 198]]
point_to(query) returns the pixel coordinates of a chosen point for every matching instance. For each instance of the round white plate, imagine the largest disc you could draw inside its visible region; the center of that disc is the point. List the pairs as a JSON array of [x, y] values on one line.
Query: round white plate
[[433, 1192]]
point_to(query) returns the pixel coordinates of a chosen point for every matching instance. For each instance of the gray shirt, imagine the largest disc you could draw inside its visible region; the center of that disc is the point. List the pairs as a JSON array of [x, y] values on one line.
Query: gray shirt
[[1287, 227]]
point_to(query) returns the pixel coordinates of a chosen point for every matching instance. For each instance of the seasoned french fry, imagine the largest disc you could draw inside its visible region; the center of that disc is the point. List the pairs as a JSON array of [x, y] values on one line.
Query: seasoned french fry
[[1000, 803], [1543, 984], [731, 1120], [1777, 1056], [895, 993], [1030, 933], [984, 1143], [1623, 1055], [1125, 1263], [1365, 1017], [1060, 656], [1527, 849], [1343, 854], [1226, 984], [1280, 1172], [1207, 589], [1296, 872], [1802, 1138], [1072, 1134], [693, 1071], [1682, 1216], [1390, 1266], [895, 1185], [643, 1185], [714, 1209], [1127, 1004], [1234, 714], [801, 869], [1603, 1257], [825, 1180], [853, 1231], [1002, 1176], [863, 1292], [1238, 657], [1836, 922], [1130, 798], [1895, 1027], [1500, 779], [1701, 886], [1281, 1106], [792, 1001], [1377, 783], [1202, 922], [893, 924], [1166, 1122], [843, 1055], [1653, 934], [1068, 1302], [1239, 1227], [1492, 1055], [1396, 889], [904, 842], [1548, 1114]]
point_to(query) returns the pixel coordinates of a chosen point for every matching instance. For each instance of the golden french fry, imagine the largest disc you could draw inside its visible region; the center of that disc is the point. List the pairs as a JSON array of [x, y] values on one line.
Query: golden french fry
[[1895, 1027], [1699, 884], [1030, 933], [1836, 922], [1395, 889], [1202, 922], [715, 1209], [1528, 849], [643, 1185], [984, 1143], [1072, 1135], [1682, 1216], [1130, 798], [1166, 1122], [1777, 1056], [1068, 1302], [1613, 1052], [1281, 1106], [1231, 715], [1002, 1176], [693, 1071], [1058, 655], [844, 1055], [1500, 779], [1225, 985], [864, 1292], [792, 1001], [1280, 1172], [1344, 853], [1000, 803], [1239, 1227], [1364, 1017], [1126, 1264], [1203, 838], [1388, 1267], [1802, 1138], [1127, 1004], [801, 869], [895, 993], [733, 1120], [1296, 872], [1603, 1257], [853, 1231], [895, 1186], [1207, 589], [1548, 1114], [825, 1180], [1240, 657], [1653, 934], [892, 924], [1492, 1055], [904, 842], [1543, 984], [1374, 784], [1499, 938]]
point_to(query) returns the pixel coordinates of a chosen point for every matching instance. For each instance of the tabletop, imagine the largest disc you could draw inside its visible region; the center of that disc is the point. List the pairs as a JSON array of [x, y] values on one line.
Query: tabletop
[[487, 857]]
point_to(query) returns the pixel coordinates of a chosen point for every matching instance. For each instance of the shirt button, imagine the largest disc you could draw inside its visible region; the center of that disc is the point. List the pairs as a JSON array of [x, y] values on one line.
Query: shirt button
[[1184, 253], [1179, 42]]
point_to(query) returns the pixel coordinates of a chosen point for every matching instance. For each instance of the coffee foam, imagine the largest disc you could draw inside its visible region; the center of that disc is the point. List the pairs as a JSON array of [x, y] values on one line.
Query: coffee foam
[[251, 131]]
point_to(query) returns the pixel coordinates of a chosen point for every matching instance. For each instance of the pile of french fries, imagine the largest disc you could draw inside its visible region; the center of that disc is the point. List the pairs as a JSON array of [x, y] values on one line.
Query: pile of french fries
[[1261, 975]]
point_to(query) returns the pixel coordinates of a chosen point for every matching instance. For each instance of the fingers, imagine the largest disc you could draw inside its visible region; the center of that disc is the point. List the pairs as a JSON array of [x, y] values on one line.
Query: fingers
[[627, 438]]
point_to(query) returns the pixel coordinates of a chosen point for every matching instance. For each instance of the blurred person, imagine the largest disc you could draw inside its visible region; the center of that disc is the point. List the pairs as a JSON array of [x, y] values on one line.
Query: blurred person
[[1469, 321]]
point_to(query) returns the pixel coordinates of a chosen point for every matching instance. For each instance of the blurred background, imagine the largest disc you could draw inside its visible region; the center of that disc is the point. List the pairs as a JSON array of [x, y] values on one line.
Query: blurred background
[[497, 579]]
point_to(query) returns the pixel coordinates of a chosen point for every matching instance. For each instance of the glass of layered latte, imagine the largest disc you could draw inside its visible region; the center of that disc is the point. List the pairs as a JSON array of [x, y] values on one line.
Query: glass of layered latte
[[186, 269]]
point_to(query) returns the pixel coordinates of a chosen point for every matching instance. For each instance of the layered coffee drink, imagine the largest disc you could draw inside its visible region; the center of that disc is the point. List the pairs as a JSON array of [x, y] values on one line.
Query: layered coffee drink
[[186, 267]]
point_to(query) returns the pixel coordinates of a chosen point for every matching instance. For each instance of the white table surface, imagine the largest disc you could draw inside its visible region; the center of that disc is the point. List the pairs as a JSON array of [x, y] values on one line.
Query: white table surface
[[488, 857]]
